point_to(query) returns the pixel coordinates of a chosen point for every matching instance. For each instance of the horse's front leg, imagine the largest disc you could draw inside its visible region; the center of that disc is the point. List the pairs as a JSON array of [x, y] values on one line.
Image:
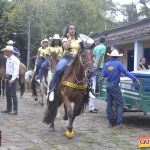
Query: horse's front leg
[[69, 132]]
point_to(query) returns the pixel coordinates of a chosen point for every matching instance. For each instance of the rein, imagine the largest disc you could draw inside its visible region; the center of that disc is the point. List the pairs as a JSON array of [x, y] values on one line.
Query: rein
[[85, 72], [83, 82]]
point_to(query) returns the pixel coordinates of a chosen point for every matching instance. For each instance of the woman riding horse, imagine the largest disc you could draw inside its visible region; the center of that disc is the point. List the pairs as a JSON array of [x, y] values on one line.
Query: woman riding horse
[[42, 60], [73, 84], [71, 45]]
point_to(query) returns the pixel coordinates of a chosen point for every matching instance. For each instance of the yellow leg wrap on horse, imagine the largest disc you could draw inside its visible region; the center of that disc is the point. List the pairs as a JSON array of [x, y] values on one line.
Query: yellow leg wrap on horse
[[69, 134]]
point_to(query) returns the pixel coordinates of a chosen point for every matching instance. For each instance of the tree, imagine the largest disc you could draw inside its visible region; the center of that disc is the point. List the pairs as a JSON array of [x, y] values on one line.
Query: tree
[[51, 16]]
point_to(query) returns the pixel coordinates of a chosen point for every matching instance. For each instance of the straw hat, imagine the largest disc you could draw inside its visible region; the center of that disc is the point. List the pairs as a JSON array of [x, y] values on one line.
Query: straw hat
[[114, 53], [56, 37], [8, 48], [45, 40], [10, 42]]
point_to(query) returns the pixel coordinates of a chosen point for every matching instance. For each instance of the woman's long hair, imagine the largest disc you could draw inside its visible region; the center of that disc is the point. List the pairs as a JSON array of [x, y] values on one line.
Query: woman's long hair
[[53, 43], [66, 31], [145, 65]]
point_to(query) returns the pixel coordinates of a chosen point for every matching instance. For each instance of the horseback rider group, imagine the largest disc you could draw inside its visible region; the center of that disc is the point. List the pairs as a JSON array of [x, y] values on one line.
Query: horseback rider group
[[65, 48], [44, 52]]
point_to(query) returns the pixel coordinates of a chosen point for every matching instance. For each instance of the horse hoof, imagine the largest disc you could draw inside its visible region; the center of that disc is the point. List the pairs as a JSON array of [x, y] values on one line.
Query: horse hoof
[[65, 117], [52, 129], [69, 134]]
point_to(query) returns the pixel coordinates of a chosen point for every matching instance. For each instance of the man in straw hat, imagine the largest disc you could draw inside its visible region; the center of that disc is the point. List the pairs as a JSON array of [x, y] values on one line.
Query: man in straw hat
[[15, 49], [112, 71], [12, 73]]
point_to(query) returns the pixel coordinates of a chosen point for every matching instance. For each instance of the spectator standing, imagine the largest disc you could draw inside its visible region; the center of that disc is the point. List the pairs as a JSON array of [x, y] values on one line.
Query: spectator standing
[[112, 71], [98, 53], [12, 74]]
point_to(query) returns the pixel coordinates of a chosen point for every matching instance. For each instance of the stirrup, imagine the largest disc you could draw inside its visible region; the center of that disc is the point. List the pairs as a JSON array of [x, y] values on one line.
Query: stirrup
[[38, 81], [91, 95], [51, 96]]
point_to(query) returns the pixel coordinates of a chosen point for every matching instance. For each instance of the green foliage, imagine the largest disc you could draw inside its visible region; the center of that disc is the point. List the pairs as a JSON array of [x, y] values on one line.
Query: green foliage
[[51, 16]]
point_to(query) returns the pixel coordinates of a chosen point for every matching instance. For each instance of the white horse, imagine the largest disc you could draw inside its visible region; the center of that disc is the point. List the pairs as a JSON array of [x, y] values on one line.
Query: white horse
[[28, 78], [42, 88]]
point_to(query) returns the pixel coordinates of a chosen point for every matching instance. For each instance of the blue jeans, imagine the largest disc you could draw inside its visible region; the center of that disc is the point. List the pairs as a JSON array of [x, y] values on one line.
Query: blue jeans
[[39, 63], [60, 67], [114, 94], [44, 68], [11, 97]]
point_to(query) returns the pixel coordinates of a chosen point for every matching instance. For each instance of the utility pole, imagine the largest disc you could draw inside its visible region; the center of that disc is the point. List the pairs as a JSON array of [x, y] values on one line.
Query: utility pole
[[29, 37]]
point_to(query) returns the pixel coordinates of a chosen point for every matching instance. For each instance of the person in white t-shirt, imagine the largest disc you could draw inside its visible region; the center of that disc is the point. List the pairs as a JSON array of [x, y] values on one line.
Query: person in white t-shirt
[[12, 74]]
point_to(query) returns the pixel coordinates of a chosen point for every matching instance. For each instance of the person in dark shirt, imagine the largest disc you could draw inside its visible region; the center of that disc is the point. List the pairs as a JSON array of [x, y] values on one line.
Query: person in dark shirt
[[112, 71]]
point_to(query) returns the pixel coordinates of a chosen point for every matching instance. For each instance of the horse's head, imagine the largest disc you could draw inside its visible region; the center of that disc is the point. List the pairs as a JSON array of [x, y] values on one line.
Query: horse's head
[[86, 59]]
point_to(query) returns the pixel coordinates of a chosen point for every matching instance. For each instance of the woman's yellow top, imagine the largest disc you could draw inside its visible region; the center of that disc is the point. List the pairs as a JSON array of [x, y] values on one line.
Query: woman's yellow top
[[41, 51], [74, 46], [47, 51], [58, 50]]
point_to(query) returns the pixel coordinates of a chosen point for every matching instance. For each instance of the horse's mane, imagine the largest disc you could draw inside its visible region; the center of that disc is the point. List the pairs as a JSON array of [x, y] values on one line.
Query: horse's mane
[[72, 63]]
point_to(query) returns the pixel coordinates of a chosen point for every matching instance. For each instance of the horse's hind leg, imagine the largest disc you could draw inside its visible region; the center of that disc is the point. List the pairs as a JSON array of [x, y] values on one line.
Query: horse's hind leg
[[65, 117]]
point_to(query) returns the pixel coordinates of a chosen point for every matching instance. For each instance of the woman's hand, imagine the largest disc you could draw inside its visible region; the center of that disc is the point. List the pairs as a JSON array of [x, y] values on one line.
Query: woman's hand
[[69, 37]]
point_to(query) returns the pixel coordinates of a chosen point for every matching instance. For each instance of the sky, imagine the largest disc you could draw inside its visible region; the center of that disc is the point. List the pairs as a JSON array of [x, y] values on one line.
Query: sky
[[125, 1], [120, 17]]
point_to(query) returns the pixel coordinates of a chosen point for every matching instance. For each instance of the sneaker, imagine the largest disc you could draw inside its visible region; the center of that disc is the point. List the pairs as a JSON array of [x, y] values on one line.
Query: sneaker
[[93, 111], [51, 96], [5, 111], [38, 81], [121, 126], [14, 112], [111, 125], [91, 95]]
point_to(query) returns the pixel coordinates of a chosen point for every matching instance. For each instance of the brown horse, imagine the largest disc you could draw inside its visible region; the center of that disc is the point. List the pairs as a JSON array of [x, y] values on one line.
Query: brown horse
[[22, 70], [2, 74], [72, 87], [42, 88]]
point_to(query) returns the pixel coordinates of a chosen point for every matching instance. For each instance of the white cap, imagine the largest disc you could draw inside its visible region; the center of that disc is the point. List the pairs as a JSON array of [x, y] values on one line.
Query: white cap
[[114, 53], [10, 42], [56, 37]]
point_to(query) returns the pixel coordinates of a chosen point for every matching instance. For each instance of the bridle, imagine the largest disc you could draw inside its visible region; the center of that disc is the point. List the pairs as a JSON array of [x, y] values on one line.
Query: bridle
[[84, 68]]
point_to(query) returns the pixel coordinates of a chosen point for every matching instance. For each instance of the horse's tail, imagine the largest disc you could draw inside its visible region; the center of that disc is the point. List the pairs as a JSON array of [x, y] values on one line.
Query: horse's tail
[[50, 111]]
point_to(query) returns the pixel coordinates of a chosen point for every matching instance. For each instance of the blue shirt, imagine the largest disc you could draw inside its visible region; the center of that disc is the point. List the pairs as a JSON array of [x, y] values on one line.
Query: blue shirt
[[15, 51], [113, 69]]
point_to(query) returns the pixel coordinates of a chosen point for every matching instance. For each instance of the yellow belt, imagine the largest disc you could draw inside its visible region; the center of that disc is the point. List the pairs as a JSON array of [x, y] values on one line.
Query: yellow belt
[[75, 86]]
